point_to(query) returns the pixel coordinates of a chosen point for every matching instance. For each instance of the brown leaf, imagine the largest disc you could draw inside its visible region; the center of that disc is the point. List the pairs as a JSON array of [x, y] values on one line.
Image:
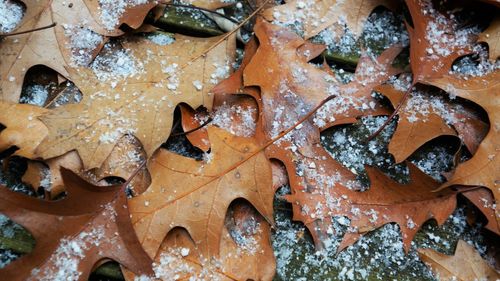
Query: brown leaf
[[465, 265], [195, 195], [245, 251], [126, 157], [436, 40], [141, 101], [290, 88], [408, 205], [315, 15], [492, 36], [49, 175], [483, 169], [484, 201], [73, 234], [22, 128], [426, 115], [60, 46], [191, 120]]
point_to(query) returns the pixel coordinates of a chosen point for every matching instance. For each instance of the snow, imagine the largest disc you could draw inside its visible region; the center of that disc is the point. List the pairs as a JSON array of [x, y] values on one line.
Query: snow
[[11, 14], [235, 119], [161, 39], [477, 65], [435, 161], [379, 255], [346, 145], [114, 64], [443, 39], [113, 10], [82, 43], [67, 257], [35, 94]]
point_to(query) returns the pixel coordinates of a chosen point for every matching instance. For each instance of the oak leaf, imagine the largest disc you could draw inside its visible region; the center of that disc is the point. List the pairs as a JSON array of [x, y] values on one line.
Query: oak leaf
[[195, 195], [73, 234], [245, 251], [484, 201], [483, 169], [313, 16], [465, 264], [135, 92], [436, 40], [75, 39], [491, 35], [408, 205], [425, 116], [290, 88], [22, 128]]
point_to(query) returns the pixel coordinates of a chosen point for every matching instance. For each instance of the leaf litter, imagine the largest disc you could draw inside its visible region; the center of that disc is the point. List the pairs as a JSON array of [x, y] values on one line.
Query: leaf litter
[[321, 155]]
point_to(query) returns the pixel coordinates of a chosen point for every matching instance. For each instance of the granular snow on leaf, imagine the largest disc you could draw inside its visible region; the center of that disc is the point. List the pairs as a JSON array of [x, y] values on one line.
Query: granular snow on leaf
[[68, 255], [114, 64], [161, 39], [112, 11], [82, 43], [235, 119], [11, 14]]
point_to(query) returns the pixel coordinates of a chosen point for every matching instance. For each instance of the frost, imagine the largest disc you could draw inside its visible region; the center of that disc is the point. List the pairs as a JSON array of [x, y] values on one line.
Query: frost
[[11, 14]]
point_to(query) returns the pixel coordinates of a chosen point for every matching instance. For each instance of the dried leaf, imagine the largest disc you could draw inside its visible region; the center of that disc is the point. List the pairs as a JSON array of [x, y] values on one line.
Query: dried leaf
[[492, 36], [60, 46], [191, 120], [142, 100], [73, 234], [483, 169], [290, 88], [465, 265], [313, 16], [195, 195], [22, 128], [50, 176], [388, 201], [436, 40], [245, 252], [484, 201], [425, 116]]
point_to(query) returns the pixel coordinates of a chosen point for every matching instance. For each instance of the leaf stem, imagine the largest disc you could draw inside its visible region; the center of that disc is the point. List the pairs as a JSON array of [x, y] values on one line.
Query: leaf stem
[[28, 31], [393, 114]]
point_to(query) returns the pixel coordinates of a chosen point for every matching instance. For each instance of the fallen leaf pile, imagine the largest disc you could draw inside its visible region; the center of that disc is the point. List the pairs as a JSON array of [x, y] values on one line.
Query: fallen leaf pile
[[164, 152]]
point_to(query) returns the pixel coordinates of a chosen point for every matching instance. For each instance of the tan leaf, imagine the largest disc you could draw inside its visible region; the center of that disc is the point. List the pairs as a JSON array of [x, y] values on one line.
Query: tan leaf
[[49, 175], [22, 128], [141, 101], [316, 15], [466, 264], [245, 252], [425, 116], [60, 46], [408, 205], [195, 195]]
